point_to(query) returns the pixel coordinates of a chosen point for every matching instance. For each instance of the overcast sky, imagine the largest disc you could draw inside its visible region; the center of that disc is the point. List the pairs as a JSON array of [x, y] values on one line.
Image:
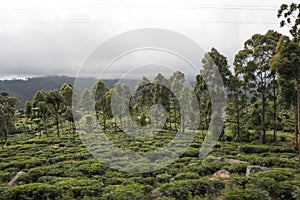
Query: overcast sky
[[54, 37]]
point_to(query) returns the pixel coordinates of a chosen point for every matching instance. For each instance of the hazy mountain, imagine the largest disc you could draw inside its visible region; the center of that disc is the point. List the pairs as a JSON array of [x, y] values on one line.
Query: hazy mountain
[[25, 89]]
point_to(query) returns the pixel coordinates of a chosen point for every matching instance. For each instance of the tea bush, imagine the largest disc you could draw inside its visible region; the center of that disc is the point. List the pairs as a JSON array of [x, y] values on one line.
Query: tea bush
[[39, 191]]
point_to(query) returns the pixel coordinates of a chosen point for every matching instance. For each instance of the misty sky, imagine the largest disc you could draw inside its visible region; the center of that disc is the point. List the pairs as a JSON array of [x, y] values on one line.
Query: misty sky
[[54, 37]]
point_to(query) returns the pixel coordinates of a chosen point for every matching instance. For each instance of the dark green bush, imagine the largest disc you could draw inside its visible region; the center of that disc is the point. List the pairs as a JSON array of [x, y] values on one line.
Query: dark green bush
[[254, 148], [287, 190], [39, 191], [237, 168], [91, 168], [187, 175], [191, 152], [182, 189], [5, 177], [246, 194], [127, 192], [163, 178], [263, 149], [277, 174]]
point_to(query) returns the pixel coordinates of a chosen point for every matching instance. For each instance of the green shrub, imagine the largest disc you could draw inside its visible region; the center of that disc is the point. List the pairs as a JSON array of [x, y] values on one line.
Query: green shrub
[[237, 168], [287, 190], [254, 148], [92, 168], [263, 183], [163, 178], [263, 149], [182, 189], [209, 168], [5, 177], [39, 191], [127, 192], [277, 174], [192, 152], [187, 175], [246, 194], [240, 181]]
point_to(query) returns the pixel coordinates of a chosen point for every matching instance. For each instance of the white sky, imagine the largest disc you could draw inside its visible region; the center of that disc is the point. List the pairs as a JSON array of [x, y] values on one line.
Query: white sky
[[48, 37]]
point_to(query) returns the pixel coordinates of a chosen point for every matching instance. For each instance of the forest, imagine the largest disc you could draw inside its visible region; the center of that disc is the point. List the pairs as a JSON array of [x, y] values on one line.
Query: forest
[[256, 155]]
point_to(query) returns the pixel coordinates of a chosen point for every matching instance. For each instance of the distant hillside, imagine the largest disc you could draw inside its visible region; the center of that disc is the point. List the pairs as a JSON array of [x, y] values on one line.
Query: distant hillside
[[25, 89]]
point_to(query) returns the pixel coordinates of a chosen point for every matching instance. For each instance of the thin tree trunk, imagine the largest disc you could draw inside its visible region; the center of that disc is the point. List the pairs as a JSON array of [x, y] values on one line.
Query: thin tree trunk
[[275, 114], [183, 124], [296, 125], [57, 125], [263, 120], [237, 115], [298, 120]]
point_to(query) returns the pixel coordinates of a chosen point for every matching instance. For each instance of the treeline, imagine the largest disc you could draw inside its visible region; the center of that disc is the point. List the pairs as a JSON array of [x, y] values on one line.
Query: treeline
[[263, 93]]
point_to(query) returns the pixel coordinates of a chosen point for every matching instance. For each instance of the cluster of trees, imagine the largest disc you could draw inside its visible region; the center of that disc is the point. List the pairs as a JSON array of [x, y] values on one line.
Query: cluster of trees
[[48, 108], [7, 115], [262, 92]]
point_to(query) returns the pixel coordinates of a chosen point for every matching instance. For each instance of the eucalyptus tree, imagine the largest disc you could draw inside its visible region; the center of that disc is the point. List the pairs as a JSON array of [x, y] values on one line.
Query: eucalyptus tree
[[140, 102], [41, 109], [39, 96], [28, 113], [161, 94], [287, 59], [177, 81], [237, 115], [103, 107], [55, 100], [213, 61], [69, 95], [66, 90], [252, 65], [99, 91], [120, 102], [8, 107], [85, 101], [203, 97], [185, 103]]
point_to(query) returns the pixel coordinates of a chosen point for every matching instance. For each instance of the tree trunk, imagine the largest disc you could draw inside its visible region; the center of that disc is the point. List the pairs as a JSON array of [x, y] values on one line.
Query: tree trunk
[[57, 125], [115, 124], [4, 142], [298, 120], [275, 114], [263, 119], [183, 124]]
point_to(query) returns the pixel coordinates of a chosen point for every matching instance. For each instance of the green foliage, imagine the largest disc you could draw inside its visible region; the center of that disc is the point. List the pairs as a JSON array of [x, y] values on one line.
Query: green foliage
[[127, 192], [181, 189], [263, 149], [246, 194], [31, 191]]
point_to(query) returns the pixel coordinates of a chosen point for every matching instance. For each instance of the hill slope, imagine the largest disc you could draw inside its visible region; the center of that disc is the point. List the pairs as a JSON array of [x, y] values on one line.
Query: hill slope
[[25, 89]]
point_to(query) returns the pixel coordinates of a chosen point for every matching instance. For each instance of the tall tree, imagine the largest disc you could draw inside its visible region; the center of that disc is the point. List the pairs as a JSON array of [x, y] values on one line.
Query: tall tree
[[55, 99], [7, 111], [252, 64], [177, 82], [213, 61], [86, 101], [41, 108], [66, 90], [161, 94], [99, 91], [237, 114], [28, 113], [287, 59]]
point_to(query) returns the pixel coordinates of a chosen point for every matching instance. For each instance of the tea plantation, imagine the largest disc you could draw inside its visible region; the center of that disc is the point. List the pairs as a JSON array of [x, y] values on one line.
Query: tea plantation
[[62, 168]]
